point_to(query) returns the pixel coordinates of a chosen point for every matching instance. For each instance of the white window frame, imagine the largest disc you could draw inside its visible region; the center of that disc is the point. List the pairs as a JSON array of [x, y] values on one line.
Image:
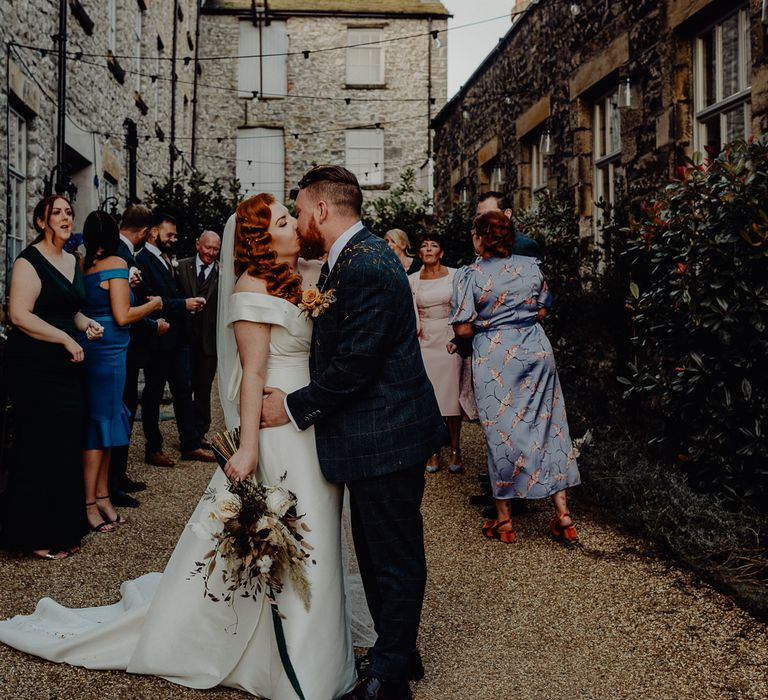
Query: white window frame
[[112, 25], [365, 64], [723, 105], [261, 161], [273, 67], [17, 168], [606, 153], [539, 172], [364, 155]]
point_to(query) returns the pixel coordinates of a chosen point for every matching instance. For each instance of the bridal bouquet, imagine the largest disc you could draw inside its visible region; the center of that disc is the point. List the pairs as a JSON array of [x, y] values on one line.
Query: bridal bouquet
[[257, 536]]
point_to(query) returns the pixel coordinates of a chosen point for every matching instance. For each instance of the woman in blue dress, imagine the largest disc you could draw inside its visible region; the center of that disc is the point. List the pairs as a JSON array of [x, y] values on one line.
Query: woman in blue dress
[[107, 300], [498, 301]]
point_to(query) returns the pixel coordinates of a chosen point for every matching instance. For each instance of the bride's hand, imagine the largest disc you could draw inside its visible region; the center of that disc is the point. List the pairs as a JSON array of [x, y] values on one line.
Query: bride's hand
[[240, 466]]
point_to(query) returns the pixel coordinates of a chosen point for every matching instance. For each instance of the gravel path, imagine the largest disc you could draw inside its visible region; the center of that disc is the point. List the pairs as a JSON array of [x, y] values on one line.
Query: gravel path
[[529, 621]]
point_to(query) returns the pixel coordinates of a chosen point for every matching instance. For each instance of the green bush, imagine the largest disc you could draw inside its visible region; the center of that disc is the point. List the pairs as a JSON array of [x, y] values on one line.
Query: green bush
[[197, 205], [699, 293], [405, 207]]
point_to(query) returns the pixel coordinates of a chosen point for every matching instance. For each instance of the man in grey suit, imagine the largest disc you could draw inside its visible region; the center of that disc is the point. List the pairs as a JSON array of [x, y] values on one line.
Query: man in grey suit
[[375, 415], [199, 277]]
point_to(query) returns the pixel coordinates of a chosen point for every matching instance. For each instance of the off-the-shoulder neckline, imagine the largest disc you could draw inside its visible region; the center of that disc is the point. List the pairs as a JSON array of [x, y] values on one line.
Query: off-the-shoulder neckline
[[261, 295]]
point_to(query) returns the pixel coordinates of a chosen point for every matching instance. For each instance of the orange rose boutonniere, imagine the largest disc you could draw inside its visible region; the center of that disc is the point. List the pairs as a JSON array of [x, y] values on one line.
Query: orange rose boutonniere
[[314, 302]]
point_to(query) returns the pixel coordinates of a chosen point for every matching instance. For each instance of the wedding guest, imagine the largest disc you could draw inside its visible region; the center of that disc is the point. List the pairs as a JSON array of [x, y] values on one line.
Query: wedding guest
[[43, 511], [168, 356], [134, 228], [498, 302], [432, 288], [108, 300], [490, 201], [400, 245], [199, 277]]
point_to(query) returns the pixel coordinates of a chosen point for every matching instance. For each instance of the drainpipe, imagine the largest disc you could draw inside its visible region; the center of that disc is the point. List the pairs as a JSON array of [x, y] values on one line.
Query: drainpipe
[[194, 85], [61, 97], [174, 78]]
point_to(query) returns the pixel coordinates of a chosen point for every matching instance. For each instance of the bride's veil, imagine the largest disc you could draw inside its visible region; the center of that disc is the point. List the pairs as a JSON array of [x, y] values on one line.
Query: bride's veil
[[228, 362], [229, 372]]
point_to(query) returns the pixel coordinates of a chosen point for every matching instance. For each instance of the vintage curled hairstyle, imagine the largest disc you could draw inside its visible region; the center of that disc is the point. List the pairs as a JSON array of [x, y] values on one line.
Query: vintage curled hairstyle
[[43, 212], [253, 250], [496, 232], [101, 237]]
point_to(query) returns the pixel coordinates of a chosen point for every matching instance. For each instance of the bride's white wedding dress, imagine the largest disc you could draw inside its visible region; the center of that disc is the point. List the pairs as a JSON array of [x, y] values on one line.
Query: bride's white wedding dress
[[163, 625]]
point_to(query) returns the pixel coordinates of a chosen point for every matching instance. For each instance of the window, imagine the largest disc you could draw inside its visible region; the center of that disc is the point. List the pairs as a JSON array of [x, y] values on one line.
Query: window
[[261, 161], [112, 25], [723, 73], [137, 36], [606, 128], [365, 155], [263, 65], [539, 172], [365, 64], [18, 180]]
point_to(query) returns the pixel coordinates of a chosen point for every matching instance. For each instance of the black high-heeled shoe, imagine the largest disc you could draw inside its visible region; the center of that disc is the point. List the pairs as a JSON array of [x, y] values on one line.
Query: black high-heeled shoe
[[104, 526], [119, 519]]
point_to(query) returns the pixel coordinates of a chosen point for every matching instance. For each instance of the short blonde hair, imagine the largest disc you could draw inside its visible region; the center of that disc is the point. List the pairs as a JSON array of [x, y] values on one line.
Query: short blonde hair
[[400, 238]]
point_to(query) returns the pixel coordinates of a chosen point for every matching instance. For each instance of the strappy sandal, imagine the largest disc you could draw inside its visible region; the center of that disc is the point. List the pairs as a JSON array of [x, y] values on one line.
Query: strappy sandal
[[104, 525], [566, 533], [492, 531], [119, 519]]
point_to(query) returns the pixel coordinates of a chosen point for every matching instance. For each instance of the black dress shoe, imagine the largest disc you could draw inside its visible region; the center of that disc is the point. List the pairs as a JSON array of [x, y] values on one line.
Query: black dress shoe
[[415, 668], [482, 499], [489, 512], [122, 499], [372, 688], [130, 486]]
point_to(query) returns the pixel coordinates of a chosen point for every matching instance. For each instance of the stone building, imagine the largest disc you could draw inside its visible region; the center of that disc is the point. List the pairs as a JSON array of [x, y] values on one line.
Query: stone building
[[286, 84], [603, 97], [120, 88]]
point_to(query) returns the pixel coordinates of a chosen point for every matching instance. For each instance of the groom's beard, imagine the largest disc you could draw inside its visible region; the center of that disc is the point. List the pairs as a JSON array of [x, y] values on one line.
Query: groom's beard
[[312, 246]]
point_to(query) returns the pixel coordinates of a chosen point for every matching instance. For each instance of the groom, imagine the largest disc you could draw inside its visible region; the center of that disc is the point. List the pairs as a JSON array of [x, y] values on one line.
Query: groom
[[375, 415]]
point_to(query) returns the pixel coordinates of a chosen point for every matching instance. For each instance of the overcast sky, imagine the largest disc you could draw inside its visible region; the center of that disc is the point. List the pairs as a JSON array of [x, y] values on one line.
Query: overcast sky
[[467, 47]]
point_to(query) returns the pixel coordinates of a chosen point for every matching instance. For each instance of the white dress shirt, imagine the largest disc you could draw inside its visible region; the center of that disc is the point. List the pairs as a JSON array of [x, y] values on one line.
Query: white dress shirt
[[198, 264]]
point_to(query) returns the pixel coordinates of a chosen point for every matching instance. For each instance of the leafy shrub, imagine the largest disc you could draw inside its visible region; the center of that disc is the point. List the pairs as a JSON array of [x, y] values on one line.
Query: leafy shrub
[[699, 294], [405, 207], [197, 205]]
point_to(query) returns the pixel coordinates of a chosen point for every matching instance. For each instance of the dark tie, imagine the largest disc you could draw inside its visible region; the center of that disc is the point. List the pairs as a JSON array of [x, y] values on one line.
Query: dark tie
[[168, 263], [323, 275], [201, 275]]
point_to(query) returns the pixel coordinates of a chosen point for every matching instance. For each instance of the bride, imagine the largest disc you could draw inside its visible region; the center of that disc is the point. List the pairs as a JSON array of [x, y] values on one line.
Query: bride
[[163, 625]]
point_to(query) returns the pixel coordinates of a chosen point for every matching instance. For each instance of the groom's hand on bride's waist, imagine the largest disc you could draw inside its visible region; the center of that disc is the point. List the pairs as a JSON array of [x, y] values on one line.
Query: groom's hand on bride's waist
[[273, 411]]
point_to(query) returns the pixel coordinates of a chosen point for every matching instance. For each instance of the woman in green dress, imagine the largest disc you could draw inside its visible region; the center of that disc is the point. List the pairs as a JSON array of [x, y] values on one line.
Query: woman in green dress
[[44, 511]]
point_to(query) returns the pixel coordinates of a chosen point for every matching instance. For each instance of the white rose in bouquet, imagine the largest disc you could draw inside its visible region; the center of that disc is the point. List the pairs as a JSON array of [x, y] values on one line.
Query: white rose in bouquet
[[279, 500], [228, 506]]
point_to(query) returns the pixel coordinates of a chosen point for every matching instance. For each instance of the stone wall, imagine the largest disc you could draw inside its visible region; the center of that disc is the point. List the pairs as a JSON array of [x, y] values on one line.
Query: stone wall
[[317, 93], [97, 103], [547, 73]]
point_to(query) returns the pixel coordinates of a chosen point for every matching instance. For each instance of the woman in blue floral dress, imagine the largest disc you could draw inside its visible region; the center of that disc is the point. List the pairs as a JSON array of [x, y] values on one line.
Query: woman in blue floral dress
[[498, 301]]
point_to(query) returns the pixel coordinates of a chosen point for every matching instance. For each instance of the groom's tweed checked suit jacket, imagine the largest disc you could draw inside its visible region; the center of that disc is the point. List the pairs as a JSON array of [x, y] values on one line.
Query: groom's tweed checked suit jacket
[[372, 405]]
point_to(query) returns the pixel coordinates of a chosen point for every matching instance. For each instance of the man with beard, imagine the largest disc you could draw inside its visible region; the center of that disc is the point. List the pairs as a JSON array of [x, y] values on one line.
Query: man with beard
[[168, 358]]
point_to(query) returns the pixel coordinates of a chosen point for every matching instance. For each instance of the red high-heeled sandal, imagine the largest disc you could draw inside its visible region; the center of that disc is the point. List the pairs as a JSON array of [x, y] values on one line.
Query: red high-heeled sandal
[[567, 533], [492, 532]]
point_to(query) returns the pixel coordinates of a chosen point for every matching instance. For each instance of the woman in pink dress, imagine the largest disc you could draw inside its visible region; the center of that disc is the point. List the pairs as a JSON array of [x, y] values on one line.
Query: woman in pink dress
[[432, 289]]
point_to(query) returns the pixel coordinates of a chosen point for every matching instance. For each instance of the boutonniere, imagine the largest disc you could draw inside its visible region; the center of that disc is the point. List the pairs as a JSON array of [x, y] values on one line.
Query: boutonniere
[[314, 302], [174, 262]]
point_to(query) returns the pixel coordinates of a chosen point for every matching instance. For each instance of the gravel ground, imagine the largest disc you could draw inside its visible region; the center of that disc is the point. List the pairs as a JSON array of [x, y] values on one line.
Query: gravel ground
[[530, 621]]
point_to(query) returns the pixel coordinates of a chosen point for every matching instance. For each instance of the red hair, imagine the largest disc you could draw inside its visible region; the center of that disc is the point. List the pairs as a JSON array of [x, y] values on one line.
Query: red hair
[[496, 232], [253, 249]]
